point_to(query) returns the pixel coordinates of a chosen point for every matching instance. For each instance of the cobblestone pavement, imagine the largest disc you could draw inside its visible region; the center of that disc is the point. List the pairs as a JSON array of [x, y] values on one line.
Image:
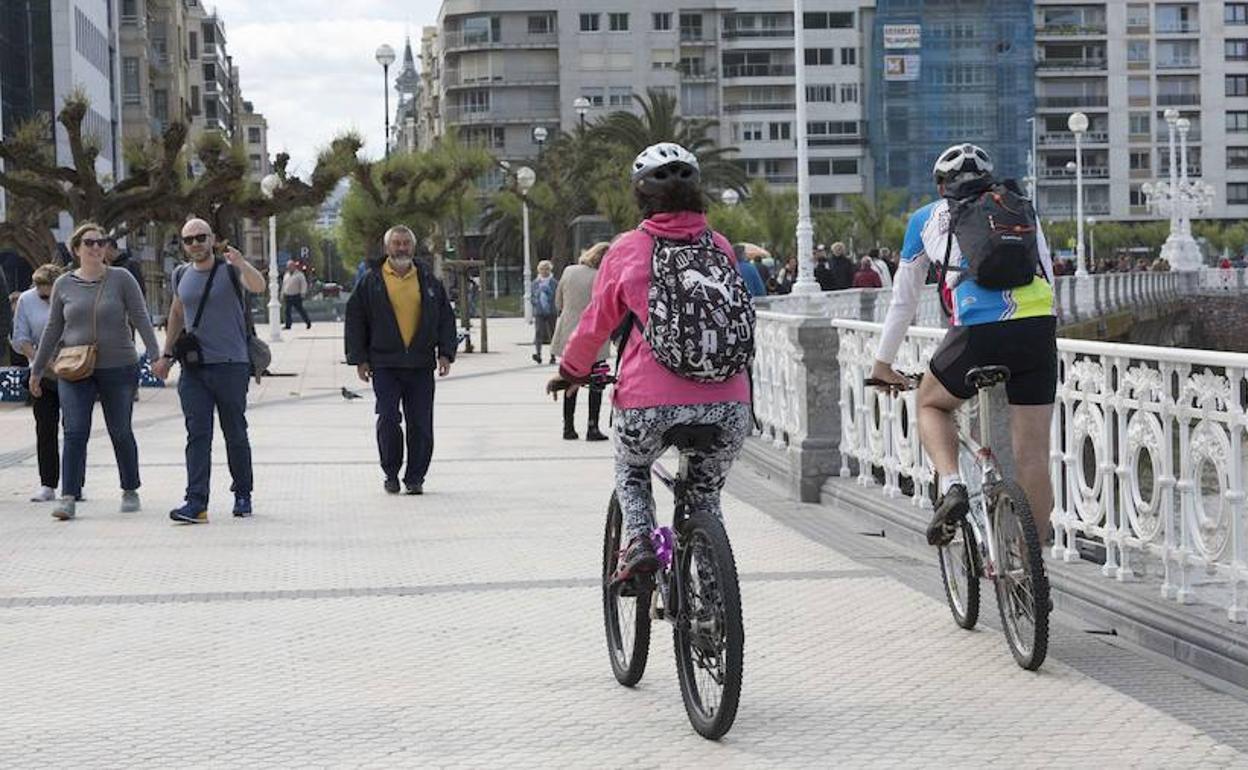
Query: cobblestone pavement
[[345, 627]]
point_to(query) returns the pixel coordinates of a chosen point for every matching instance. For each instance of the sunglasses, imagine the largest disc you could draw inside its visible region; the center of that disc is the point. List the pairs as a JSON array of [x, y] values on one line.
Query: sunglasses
[[189, 239], [92, 242]]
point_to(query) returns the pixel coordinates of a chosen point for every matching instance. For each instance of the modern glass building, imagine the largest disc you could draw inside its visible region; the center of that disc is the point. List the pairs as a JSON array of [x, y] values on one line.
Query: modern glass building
[[946, 71], [25, 61]]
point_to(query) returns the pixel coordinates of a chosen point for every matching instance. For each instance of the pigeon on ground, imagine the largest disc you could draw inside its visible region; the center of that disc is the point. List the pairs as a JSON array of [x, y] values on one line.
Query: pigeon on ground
[[348, 395]]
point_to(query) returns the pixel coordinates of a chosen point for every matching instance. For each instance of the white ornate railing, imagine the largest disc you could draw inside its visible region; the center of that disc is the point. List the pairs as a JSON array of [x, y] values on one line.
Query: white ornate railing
[[1147, 455], [1224, 281]]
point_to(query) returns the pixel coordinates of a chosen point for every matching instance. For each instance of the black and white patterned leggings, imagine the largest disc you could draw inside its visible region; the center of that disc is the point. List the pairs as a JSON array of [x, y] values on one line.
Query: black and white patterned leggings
[[639, 442]]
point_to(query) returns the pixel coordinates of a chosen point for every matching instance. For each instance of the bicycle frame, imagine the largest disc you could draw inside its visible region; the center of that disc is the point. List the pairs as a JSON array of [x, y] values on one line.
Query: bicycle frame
[[667, 580], [988, 477]]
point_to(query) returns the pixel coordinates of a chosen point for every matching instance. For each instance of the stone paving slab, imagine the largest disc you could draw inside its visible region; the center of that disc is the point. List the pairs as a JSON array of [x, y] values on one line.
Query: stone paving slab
[[342, 627]]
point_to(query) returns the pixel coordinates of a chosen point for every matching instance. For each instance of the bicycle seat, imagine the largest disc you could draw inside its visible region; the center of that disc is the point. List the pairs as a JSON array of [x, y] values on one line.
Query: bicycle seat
[[982, 377], [692, 437]]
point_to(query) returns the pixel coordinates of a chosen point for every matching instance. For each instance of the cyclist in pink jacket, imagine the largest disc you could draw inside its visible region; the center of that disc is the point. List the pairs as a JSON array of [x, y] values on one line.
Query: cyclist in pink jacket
[[712, 327]]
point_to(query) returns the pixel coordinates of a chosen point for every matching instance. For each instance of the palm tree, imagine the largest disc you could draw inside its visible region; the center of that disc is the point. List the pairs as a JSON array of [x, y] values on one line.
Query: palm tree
[[776, 216]]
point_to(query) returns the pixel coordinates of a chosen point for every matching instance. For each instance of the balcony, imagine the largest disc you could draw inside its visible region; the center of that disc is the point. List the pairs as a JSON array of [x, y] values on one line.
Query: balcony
[[1096, 29], [1073, 102], [780, 178], [1174, 27], [1072, 65], [1178, 100], [474, 115], [1163, 135], [1065, 137], [1193, 169], [758, 70], [461, 41], [695, 36], [706, 110], [697, 73], [1061, 172], [1178, 63], [835, 140], [760, 107], [456, 79], [755, 34]]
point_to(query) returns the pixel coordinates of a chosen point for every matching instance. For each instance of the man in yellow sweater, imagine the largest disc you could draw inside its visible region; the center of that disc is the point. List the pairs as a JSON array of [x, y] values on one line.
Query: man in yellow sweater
[[399, 328]]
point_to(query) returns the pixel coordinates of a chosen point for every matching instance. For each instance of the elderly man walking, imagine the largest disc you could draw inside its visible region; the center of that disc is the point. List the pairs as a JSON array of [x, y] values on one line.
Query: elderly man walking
[[399, 328], [216, 364], [294, 286]]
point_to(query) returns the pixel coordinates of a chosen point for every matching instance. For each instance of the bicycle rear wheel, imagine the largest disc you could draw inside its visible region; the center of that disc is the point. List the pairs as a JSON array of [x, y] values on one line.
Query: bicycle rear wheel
[[626, 608], [709, 637], [959, 570], [1021, 582]]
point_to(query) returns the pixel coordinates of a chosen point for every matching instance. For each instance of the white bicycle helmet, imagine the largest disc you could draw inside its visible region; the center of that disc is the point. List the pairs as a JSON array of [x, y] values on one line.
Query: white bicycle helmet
[[961, 159], [664, 164]]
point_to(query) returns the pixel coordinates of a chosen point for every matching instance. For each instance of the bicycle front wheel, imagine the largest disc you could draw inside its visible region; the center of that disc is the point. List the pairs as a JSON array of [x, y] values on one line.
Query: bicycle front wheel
[[1022, 584], [626, 608], [709, 637], [959, 570]]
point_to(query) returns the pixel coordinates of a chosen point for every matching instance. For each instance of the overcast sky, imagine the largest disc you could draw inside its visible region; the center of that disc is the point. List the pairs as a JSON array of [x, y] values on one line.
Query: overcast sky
[[308, 66]]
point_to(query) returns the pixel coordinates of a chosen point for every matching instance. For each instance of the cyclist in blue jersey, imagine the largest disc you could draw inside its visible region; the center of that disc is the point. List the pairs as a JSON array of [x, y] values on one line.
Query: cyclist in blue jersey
[[1009, 327]]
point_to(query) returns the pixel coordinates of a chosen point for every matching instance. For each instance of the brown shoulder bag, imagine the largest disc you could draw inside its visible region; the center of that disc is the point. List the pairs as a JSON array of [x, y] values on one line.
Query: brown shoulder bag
[[77, 362]]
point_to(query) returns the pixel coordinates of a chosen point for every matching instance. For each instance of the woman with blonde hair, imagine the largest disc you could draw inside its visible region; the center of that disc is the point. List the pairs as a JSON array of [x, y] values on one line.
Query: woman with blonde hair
[[542, 298], [95, 307], [29, 318], [571, 298]]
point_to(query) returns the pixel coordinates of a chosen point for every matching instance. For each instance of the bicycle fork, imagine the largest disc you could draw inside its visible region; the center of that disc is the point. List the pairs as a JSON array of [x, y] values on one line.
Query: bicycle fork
[[986, 464]]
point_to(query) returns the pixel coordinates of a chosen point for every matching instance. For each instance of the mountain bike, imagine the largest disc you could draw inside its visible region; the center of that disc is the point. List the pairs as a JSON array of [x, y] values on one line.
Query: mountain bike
[[997, 540]]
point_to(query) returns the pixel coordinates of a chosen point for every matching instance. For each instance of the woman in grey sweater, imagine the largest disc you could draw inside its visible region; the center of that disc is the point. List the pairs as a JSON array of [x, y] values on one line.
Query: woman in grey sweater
[[115, 377]]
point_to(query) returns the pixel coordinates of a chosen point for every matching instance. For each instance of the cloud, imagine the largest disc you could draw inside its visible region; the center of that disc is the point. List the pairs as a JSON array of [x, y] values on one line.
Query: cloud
[[308, 66]]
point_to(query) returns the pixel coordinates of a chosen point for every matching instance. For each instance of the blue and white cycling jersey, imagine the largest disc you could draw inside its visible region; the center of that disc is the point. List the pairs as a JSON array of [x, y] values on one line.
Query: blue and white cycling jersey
[[927, 236]]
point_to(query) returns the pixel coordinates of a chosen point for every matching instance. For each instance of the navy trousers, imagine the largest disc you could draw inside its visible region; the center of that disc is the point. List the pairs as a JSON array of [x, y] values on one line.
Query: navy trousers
[[410, 390]]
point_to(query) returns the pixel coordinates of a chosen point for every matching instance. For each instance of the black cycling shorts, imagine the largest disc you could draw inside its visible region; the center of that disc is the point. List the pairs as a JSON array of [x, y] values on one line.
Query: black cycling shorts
[[1028, 346]]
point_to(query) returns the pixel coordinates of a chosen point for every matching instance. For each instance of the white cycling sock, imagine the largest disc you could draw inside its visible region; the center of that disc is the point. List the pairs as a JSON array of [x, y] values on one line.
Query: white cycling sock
[[948, 481]]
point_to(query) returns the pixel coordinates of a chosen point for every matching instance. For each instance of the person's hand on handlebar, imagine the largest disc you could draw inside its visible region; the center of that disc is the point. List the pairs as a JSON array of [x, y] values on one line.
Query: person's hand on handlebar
[[886, 379]]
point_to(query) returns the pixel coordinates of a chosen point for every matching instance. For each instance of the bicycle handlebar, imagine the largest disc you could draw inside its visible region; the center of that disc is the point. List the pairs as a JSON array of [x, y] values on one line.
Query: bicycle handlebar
[[912, 382]]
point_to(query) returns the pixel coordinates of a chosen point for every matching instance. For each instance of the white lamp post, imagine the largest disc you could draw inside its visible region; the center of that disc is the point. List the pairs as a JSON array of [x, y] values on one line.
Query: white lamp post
[[1180, 199], [805, 283], [269, 186], [1172, 117], [1078, 123], [581, 105], [1091, 241], [730, 197], [1183, 125], [525, 178], [385, 57]]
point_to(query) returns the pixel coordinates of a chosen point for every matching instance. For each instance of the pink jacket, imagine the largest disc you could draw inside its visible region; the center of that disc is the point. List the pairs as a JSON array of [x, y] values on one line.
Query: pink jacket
[[622, 285]]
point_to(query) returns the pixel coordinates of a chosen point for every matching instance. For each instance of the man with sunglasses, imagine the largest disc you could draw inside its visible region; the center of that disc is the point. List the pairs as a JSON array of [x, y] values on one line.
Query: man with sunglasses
[[208, 293]]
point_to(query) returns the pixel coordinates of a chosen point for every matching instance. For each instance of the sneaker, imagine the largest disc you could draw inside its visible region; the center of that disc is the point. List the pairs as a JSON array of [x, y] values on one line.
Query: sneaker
[[537, 359], [43, 495], [593, 434], [639, 559], [64, 509], [951, 509], [242, 506], [414, 489], [570, 434], [130, 501], [392, 486], [190, 513]]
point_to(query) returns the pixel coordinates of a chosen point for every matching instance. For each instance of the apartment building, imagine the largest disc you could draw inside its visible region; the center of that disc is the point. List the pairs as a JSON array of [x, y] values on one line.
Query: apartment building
[[212, 80], [1124, 64], [155, 67], [498, 69]]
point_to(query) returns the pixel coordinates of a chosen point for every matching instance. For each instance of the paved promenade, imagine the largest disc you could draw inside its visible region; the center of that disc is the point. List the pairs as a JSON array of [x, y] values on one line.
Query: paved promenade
[[343, 627]]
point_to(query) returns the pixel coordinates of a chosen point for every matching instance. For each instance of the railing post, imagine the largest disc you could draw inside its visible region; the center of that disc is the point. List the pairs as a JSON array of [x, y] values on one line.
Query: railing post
[[1237, 612]]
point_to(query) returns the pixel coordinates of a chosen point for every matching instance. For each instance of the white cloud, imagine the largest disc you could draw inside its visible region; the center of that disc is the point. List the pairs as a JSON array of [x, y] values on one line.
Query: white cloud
[[308, 66]]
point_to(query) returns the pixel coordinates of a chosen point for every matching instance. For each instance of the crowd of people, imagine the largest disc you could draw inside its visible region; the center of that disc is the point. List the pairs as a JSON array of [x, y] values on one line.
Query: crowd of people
[[835, 269]]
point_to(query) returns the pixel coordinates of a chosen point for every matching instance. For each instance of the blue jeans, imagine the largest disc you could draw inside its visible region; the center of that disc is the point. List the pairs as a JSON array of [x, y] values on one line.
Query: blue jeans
[[223, 388], [412, 389], [114, 387]]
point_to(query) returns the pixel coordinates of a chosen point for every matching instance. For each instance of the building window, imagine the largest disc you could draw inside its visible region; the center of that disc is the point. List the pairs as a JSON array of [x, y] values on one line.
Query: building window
[[828, 20], [1137, 197], [662, 22], [130, 80], [595, 96], [253, 135], [1235, 13], [1237, 193], [541, 25], [617, 22], [1141, 160], [1137, 17], [1237, 85], [849, 57], [210, 109], [1138, 123], [620, 97], [780, 132], [210, 72], [254, 162], [1137, 52], [194, 100], [821, 93], [590, 22], [1236, 49], [751, 132], [477, 100], [820, 56], [129, 9], [832, 128], [1236, 122], [825, 201], [1237, 157], [662, 58], [691, 26], [849, 93], [845, 167], [819, 166]]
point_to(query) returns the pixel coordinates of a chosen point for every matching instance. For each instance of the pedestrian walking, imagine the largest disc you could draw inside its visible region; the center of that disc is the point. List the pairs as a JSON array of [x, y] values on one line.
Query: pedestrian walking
[[213, 350], [29, 320], [842, 268], [87, 344], [572, 296], [881, 267], [542, 298], [399, 329], [866, 277], [294, 286]]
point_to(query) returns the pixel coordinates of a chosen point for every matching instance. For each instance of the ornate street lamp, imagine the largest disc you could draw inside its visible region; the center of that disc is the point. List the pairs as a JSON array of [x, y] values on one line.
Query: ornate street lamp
[[581, 105], [268, 186], [805, 283], [1078, 123], [385, 57], [525, 179]]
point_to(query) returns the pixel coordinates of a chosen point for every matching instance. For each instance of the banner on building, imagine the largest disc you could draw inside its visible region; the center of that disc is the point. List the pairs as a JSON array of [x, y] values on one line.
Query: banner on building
[[901, 67], [902, 35]]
